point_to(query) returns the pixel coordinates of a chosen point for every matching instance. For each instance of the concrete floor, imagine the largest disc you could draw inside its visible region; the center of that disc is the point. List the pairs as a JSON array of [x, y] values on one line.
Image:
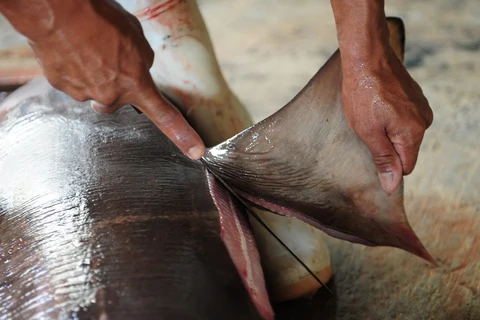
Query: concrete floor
[[269, 49]]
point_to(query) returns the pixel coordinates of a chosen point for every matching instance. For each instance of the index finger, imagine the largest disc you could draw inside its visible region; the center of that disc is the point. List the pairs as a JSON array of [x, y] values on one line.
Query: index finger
[[170, 121]]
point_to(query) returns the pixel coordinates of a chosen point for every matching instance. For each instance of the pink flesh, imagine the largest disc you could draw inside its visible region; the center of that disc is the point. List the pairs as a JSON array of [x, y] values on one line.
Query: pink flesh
[[240, 243]]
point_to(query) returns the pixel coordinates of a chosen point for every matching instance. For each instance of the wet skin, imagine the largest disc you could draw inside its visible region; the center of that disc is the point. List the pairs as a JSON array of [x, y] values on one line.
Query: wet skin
[[102, 215], [99, 212]]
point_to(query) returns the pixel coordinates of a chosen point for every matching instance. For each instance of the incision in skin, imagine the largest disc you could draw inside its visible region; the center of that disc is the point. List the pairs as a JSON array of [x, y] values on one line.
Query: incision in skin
[[240, 243]]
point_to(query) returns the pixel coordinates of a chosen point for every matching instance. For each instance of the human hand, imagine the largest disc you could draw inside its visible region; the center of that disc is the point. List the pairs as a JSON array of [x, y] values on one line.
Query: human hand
[[387, 110], [97, 50]]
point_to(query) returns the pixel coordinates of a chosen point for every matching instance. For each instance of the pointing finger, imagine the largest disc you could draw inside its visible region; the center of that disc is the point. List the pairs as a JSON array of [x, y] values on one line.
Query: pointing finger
[[171, 122]]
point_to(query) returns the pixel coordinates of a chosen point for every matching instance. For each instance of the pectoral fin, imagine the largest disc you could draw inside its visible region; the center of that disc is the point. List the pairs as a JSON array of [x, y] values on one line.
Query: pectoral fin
[[304, 161]]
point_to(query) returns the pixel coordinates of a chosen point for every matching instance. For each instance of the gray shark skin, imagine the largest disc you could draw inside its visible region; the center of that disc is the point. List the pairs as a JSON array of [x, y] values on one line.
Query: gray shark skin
[[304, 161], [103, 216]]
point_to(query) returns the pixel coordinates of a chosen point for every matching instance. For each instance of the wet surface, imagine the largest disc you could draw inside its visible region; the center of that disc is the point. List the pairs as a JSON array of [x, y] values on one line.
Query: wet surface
[[314, 167], [269, 49], [101, 216]]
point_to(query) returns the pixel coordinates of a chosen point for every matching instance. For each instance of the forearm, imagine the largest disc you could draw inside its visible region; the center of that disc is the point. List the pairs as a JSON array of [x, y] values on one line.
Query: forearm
[[36, 19], [361, 30]]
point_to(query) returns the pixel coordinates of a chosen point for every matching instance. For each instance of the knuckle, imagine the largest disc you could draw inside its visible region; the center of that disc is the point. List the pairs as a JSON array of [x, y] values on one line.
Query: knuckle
[[107, 100], [133, 83], [408, 168], [149, 56], [79, 96], [429, 117], [166, 117], [409, 158], [418, 128], [410, 141], [383, 160], [54, 82]]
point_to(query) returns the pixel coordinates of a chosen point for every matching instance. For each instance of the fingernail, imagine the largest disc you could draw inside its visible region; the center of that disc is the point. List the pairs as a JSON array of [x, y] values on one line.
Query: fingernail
[[96, 106], [386, 180], [195, 153]]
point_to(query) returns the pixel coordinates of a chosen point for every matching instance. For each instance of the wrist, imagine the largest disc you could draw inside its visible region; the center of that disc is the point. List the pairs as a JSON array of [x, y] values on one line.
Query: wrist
[[376, 62], [362, 32]]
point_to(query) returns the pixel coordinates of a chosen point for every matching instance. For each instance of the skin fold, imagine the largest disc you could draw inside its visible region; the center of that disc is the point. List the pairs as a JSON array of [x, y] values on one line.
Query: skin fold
[[108, 60]]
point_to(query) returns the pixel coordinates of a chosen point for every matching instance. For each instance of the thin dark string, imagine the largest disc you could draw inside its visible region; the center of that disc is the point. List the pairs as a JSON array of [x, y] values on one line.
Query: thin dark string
[[254, 214]]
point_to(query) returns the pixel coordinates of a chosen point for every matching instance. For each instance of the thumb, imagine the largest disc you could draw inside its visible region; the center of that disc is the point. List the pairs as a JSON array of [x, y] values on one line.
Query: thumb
[[387, 161]]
